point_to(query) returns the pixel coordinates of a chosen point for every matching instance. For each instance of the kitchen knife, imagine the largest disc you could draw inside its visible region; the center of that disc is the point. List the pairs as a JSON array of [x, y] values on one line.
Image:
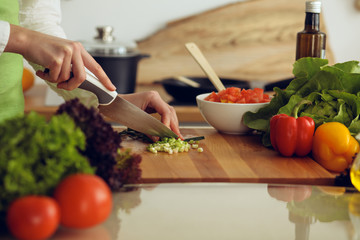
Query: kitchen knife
[[124, 112]]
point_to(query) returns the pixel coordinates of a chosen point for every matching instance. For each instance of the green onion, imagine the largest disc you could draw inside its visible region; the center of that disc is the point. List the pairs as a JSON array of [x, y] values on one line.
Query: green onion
[[172, 145]]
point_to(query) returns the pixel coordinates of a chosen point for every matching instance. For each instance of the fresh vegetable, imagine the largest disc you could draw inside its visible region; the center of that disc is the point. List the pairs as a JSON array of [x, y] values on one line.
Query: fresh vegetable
[[172, 145], [103, 148], [36, 155], [28, 79], [238, 95], [333, 146], [129, 166], [332, 90], [33, 217], [169, 145], [85, 200], [144, 138], [292, 135]]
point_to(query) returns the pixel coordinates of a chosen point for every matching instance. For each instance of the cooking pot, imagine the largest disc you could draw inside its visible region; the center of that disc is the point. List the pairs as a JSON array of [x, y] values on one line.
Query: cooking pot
[[182, 92], [119, 60]]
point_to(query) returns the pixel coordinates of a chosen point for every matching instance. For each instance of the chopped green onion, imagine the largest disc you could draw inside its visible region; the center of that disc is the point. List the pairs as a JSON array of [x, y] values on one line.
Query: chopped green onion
[[172, 145]]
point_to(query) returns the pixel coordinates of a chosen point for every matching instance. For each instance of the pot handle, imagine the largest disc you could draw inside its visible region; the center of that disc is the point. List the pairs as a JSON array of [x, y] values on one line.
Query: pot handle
[[144, 55]]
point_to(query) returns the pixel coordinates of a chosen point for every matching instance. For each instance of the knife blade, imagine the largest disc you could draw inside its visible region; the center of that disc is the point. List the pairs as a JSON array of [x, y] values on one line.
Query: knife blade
[[124, 112]]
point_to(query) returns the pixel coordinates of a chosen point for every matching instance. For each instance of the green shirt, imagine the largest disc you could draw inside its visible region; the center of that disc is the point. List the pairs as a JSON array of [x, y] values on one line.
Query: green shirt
[[11, 68]]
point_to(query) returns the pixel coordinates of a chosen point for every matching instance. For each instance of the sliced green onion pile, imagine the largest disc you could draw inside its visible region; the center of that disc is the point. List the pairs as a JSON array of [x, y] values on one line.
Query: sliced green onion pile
[[172, 145]]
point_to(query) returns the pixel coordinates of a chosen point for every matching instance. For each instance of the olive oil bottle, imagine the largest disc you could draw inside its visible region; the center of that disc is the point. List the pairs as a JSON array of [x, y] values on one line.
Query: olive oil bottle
[[311, 42], [355, 178], [355, 172]]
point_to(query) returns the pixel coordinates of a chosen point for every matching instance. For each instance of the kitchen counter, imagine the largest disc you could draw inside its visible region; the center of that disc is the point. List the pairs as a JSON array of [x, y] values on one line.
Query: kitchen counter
[[35, 99], [227, 211], [235, 189], [233, 211]]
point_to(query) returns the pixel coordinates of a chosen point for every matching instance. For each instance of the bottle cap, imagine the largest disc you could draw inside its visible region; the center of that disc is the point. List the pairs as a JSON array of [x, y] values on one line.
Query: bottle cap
[[313, 6]]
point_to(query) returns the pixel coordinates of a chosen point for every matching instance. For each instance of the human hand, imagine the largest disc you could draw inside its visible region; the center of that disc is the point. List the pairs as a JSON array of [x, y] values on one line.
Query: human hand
[[59, 55], [151, 102]]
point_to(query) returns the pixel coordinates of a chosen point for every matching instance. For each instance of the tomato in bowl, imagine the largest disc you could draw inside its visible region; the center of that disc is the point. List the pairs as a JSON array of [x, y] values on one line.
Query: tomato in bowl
[[238, 95], [225, 111]]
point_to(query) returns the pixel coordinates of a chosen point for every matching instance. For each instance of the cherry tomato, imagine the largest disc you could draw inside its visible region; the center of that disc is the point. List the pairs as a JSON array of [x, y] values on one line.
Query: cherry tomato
[[85, 200], [33, 217]]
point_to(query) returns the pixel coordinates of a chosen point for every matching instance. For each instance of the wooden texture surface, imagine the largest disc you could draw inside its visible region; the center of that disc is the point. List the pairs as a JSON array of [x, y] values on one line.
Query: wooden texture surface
[[251, 40], [227, 158]]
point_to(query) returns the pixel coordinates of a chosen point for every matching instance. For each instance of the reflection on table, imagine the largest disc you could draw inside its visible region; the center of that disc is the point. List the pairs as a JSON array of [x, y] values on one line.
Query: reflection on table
[[229, 211]]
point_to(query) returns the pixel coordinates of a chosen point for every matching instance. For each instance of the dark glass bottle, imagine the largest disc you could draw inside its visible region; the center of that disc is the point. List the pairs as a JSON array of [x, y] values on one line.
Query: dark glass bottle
[[311, 42]]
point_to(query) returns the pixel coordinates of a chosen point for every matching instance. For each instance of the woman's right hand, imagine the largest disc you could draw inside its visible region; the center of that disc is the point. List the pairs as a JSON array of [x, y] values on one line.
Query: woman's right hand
[[60, 56], [151, 102]]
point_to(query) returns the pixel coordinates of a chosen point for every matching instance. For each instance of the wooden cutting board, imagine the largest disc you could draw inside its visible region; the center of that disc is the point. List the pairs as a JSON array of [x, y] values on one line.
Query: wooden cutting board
[[227, 158], [248, 40]]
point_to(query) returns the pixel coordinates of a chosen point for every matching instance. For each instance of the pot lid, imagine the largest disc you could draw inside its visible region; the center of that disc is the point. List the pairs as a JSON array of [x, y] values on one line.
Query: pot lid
[[104, 44]]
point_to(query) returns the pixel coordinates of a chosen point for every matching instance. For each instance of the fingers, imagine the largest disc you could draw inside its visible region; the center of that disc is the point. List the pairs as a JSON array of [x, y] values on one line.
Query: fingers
[[60, 56], [151, 102], [66, 61], [52, 73], [78, 75], [167, 112], [169, 119], [65, 69], [60, 65], [173, 122]]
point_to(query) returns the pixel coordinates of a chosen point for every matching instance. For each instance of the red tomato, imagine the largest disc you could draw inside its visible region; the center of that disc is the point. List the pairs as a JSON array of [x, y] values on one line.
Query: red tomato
[[85, 200], [33, 217], [238, 95], [213, 97]]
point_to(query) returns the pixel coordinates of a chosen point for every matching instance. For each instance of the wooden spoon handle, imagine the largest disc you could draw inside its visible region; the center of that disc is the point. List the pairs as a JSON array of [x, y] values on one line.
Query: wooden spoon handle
[[187, 81], [205, 66]]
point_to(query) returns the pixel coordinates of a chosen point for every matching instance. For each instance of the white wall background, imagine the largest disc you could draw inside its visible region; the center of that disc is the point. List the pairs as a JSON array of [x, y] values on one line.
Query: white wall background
[[131, 19], [136, 19]]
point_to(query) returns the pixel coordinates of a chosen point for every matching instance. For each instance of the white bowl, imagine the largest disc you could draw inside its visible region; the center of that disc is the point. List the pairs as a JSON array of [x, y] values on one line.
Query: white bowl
[[226, 117]]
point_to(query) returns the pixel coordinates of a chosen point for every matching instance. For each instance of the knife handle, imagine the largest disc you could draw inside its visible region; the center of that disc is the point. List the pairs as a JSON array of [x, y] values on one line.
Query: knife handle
[[92, 84]]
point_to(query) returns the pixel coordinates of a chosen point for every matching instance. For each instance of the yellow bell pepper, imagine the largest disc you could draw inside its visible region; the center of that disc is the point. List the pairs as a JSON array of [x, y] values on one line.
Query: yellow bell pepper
[[333, 146]]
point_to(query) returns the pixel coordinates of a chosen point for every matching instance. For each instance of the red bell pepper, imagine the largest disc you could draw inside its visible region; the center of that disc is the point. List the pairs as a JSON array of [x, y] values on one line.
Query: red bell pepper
[[292, 135]]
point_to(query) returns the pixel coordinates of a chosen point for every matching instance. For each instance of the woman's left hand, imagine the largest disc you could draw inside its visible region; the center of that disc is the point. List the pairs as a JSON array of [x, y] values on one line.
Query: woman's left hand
[[151, 102]]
